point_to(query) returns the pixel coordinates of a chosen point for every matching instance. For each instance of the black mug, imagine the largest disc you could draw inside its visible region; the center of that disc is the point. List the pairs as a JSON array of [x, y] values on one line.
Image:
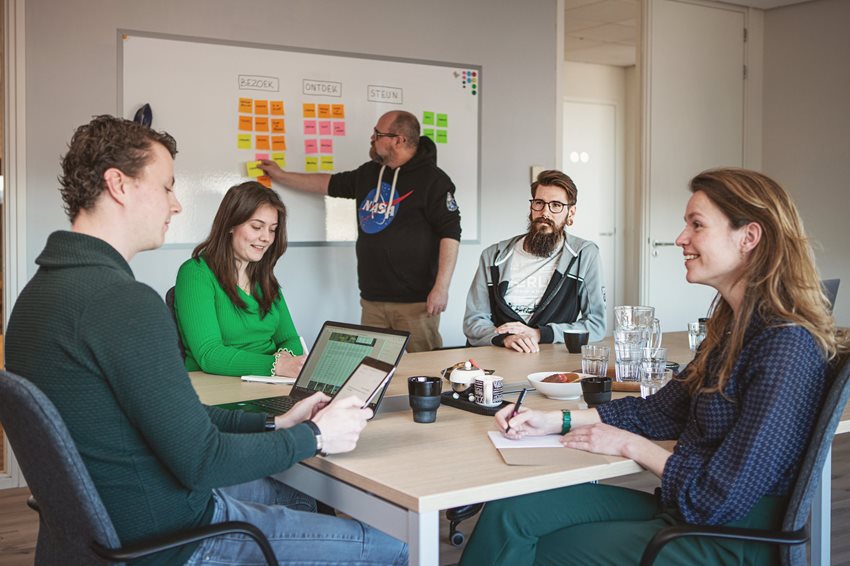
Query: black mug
[[596, 390], [575, 340], [424, 394]]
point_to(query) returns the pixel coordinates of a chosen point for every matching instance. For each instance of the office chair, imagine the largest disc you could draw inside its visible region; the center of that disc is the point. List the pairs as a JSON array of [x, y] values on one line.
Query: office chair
[[169, 300], [795, 527], [74, 527]]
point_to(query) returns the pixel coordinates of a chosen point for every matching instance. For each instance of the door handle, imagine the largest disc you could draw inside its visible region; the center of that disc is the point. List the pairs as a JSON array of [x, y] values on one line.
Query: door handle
[[656, 244]]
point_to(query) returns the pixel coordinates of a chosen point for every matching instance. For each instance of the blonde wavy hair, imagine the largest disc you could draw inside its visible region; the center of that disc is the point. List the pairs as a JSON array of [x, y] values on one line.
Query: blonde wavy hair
[[782, 283]]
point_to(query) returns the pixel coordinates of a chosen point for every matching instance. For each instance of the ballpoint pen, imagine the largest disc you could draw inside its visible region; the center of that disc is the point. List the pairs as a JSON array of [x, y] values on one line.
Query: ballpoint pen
[[517, 406]]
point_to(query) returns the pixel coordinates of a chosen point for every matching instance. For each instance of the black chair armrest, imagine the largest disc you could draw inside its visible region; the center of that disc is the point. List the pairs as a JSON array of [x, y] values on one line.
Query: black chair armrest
[[150, 546], [670, 534]]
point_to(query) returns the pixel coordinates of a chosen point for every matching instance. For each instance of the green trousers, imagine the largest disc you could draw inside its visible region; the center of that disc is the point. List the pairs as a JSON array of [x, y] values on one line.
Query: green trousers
[[591, 524]]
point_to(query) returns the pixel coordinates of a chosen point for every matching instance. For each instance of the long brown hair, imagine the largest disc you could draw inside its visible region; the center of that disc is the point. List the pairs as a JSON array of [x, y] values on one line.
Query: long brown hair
[[238, 206], [782, 283]]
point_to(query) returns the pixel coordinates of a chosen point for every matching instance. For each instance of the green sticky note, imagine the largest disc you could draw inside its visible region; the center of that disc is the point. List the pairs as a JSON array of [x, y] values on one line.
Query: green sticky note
[[311, 164], [442, 120], [428, 133], [243, 141], [428, 118], [280, 159], [442, 136]]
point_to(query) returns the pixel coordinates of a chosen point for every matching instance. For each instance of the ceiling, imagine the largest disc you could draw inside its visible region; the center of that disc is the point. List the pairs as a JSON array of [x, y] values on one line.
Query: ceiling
[[605, 32]]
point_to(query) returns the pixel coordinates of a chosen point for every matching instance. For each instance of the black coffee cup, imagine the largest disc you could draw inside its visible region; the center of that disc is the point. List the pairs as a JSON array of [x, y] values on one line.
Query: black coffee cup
[[596, 390], [424, 395], [575, 340]]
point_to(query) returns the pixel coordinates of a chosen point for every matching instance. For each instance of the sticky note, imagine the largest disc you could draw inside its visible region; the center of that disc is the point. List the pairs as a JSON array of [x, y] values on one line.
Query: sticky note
[[261, 124], [327, 163], [338, 111], [245, 105], [261, 156], [309, 110], [442, 136], [442, 120], [309, 127], [277, 107], [261, 107], [278, 143], [326, 146], [280, 159], [338, 128], [253, 169], [428, 133], [246, 123], [265, 181], [428, 118], [263, 143], [243, 141], [324, 110], [278, 126], [311, 164], [310, 146], [324, 128]]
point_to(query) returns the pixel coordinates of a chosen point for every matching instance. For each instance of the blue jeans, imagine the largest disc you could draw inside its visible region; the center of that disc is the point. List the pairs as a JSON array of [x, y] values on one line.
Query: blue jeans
[[297, 534]]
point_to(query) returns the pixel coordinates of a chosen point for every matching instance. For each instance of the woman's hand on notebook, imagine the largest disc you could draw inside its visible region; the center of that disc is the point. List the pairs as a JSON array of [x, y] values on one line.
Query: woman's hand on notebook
[[303, 410], [289, 366], [340, 424]]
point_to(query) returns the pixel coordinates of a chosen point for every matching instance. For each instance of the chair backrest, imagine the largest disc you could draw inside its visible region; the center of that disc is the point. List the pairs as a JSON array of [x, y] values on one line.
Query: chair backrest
[[800, 503], [169, 300], [72, 513], [830, 289]]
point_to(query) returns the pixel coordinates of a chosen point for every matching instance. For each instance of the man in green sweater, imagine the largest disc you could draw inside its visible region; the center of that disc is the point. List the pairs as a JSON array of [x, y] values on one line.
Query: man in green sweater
[[103, 348]]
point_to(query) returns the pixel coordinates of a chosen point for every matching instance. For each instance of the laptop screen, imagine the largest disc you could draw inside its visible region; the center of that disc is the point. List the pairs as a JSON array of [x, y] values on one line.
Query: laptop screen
[[340, 347]]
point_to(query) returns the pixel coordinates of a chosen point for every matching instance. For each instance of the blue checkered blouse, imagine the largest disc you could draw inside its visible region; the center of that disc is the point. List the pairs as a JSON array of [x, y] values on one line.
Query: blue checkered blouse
[[731, 452]]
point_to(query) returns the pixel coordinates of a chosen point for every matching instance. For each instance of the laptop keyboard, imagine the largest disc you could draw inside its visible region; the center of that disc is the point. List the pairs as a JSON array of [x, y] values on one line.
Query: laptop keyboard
[[275, 405]]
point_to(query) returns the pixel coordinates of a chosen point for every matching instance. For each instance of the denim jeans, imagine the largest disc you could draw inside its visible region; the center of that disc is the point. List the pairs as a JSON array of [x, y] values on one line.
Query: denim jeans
[[297, 534]]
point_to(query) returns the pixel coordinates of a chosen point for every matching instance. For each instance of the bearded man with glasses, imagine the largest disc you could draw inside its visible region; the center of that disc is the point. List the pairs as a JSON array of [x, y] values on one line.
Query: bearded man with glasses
[[531, 288]]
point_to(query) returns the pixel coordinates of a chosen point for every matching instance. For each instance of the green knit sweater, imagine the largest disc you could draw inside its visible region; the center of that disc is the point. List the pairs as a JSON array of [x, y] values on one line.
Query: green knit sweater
[[103, 348], [221, 338]]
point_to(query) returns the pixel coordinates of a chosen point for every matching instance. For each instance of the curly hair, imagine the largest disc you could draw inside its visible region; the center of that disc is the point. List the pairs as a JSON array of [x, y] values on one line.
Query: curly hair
[[104, 143]]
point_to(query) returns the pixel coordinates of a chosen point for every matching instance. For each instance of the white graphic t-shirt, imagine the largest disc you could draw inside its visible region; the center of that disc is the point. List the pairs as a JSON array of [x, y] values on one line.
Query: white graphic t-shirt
[[528, 278]]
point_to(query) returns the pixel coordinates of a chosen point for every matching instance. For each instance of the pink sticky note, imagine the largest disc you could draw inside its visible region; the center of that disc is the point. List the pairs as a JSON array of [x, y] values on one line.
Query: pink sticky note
[[324, 128], [264, 156], [326, 146], [310, 146], [309, 127], [339, 128]]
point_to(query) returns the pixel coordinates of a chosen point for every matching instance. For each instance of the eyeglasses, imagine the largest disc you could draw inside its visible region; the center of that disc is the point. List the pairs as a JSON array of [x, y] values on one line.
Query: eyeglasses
[[378, 134], [555, 206]]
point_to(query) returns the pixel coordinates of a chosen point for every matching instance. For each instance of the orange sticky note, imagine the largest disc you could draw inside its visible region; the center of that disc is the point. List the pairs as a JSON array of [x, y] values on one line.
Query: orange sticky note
[[245, 105], [261, 124], [246, 123], [253, 169], [311, 164], [339, 128], [263, 143], [243, 141], [278, 143], [324, 127], [326, 146], [277, 107], [265, 181], [280, 159], [261, 107], [278, 126], [327, 163], [338, 111], [324, 110], [309, 110]]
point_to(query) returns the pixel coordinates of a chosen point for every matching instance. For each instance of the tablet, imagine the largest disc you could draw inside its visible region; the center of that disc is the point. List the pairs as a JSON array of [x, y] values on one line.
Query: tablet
[[368, 381]]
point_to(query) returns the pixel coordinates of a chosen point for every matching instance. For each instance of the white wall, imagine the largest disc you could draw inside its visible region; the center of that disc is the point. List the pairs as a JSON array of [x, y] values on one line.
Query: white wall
[[807, 126], [71, 66]]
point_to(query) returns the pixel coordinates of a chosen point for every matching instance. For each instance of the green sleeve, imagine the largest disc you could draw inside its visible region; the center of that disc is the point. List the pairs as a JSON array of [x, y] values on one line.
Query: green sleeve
[[236, 421], [286, 336]]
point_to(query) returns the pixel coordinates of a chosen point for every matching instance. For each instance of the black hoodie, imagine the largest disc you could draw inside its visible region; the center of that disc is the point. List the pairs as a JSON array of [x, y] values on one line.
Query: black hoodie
[[398, 246]]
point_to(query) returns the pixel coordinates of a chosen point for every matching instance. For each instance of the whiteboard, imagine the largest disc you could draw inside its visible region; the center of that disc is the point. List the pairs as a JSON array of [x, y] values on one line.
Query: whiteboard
[[206, 93]]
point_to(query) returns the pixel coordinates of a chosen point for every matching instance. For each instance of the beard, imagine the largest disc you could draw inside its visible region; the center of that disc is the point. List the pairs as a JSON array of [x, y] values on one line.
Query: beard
[[543, 236], [375, 156]]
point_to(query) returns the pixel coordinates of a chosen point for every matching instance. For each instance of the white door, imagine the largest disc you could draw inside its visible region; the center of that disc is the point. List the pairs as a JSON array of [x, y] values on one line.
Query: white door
[[590, 160], [695, 103]]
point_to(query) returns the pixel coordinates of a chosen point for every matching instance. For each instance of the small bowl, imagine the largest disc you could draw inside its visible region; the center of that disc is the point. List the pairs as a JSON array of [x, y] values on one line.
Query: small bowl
[[596, 390], [560, 391]]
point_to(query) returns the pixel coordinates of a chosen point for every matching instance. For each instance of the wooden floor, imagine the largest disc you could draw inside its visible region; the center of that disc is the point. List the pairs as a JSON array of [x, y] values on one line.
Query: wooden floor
[[19, 525]]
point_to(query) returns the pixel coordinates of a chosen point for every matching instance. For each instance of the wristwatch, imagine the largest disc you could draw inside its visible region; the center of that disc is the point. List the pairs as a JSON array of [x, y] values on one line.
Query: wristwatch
[[270, 424], [318, 434]]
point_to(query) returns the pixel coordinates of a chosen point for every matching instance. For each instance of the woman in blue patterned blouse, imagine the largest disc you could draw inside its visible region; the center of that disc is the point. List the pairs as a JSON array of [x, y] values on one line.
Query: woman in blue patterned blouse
[[742, 411]]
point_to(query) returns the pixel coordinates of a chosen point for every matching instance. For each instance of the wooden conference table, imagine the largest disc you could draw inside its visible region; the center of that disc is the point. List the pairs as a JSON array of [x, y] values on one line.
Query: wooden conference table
[[402, 474]]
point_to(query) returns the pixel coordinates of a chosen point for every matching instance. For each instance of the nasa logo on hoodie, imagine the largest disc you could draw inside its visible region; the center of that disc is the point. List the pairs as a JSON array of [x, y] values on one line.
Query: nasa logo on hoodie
[[375, 214], [451, 203]]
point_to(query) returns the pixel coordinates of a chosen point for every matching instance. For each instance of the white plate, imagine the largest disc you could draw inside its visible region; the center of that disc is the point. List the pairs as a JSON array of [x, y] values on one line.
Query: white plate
[[559, 391]]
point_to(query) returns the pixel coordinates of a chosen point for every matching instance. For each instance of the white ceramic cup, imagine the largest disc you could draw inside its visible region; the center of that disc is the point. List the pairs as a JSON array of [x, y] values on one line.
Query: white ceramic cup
[[488, 390]]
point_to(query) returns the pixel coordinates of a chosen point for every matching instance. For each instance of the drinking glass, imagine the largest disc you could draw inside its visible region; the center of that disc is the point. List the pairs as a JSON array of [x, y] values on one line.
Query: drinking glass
[[594, 359], [628, 349], [696, 334], [653, 359], [653, 380]]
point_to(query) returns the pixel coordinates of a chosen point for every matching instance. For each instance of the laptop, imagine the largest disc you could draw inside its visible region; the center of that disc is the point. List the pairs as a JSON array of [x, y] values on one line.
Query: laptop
[[337, 352]]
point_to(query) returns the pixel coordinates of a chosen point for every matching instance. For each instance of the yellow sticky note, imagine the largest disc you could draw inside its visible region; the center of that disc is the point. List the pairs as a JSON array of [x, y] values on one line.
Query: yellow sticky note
[[280, 159], [261, 107], [245, 105], [277, 107], [311, 164], [278, 143], [309, 110], [327, 163], [243, 141], [261, 124], [263, 143], [253, 169], [246, 123], [338, 111], [265, 181], [324, 110], [278, 126]]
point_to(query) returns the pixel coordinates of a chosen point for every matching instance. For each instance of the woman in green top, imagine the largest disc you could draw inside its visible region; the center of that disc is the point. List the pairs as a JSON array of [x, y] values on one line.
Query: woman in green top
[[230, 311]]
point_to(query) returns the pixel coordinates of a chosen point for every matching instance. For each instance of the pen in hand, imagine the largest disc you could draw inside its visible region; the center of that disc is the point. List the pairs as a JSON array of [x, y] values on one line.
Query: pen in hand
[[517, 407]]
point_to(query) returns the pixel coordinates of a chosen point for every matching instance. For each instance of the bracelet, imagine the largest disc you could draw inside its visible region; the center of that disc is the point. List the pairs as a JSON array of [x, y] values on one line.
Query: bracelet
[[277, 356], [565, 425]]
